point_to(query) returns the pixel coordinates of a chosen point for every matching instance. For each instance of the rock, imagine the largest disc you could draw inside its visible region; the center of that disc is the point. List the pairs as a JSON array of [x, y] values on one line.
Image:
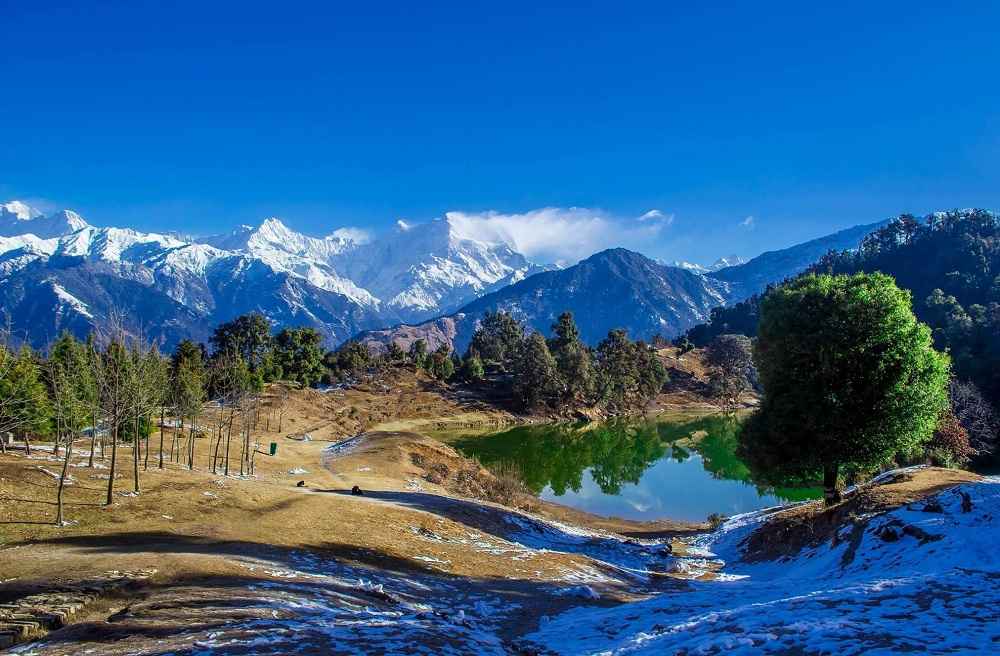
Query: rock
[[933, 506], [966, 501], [300, 484], [888, 534], [356, 491], [667, 550]]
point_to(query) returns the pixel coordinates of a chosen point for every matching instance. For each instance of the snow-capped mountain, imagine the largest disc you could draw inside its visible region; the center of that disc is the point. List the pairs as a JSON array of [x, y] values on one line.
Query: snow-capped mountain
[[721, 263], [283, 249], [18, 218], [58, 272], [432, 268], [615, 288]]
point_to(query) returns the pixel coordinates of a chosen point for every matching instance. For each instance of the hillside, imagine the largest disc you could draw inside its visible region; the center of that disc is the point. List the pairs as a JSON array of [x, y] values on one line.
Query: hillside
[[754, 276], [948, 260], [615, 288], [898, 578], [258, 564], [622, 289]]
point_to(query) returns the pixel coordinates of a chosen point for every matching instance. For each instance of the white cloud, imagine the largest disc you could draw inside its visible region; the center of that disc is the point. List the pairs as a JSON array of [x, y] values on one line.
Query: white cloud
[[749, 223], [562, 235], [657, 215], [357, 235]]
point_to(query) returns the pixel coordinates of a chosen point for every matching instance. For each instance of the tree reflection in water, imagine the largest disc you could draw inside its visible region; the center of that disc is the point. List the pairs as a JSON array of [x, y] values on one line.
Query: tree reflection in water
[[618, 452]]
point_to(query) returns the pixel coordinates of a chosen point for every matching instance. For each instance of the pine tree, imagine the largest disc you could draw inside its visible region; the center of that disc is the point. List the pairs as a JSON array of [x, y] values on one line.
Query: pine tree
[[439, 364], [497, 338], [617, 374], [472, 368], [573, 359], [418, 353], [188, 378], [395, 352], [299, 353], [536, 377], [249, 336]]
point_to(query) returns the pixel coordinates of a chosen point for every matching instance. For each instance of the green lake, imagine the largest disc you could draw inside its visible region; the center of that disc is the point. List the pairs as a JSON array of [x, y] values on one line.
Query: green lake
[[668, 468]]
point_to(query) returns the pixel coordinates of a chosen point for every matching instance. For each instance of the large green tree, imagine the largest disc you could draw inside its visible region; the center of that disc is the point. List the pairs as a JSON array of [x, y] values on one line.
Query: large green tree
[[629, 374], [573, 360], [850, 378], [497, 338], [189, 377], [248, 336], [440, 364], [299, 353], [536, 378], [24, 399]]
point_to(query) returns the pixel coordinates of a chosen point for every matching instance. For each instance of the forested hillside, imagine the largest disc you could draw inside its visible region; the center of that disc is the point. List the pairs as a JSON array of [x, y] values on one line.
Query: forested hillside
[[950, 261]]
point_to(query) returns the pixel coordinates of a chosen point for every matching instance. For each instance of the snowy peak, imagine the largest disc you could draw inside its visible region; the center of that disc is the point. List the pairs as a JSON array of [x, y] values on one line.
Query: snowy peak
[[721, 263], [17, 218], [727, 261], [688, 266], [274, 239], [423, 269]]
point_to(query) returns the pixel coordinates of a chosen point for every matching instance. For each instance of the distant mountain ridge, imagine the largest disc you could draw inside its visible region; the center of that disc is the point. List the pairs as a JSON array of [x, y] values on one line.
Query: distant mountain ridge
[[59, 272], [754, 276], [617, 288], [610, 289]]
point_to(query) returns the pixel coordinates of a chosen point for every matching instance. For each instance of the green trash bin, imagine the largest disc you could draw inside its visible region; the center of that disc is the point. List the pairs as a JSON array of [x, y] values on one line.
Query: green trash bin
[[274, 448]]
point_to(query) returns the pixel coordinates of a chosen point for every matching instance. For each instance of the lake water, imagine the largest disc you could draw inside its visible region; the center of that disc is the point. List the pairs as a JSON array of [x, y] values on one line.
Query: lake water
[[681, 468]]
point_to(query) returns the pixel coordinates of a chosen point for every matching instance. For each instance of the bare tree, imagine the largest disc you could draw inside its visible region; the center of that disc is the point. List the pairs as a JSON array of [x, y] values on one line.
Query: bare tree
[[69, 411], [976, 415], [144, 393], [281, 397], [113, 377]]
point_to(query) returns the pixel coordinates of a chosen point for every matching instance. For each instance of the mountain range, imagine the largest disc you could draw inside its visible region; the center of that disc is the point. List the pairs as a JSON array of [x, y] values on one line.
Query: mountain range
[[618, 288], [431, 280], [58, 272]]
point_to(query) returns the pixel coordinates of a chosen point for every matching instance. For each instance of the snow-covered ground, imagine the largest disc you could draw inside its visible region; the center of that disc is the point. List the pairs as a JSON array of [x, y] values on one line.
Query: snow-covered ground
[[929, 595]]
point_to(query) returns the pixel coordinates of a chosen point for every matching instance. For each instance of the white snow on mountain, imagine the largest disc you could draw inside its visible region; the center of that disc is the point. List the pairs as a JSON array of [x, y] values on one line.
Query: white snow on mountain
[[67, 299], [727, 261], [721, 263], [688, 266], [311, 258], [18, 218], [435, 266], [416, 270]]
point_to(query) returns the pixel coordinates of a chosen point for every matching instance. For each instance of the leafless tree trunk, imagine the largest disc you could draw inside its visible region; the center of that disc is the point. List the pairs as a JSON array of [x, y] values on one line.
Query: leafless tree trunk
[[191, 447], [62, 481], [229, 437], [93, 436], [114, 460], [145, 463], [162, 419], [136, 441]]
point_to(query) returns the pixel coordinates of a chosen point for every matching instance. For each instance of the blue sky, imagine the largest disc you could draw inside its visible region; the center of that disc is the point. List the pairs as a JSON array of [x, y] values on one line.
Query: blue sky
[[205, 115]]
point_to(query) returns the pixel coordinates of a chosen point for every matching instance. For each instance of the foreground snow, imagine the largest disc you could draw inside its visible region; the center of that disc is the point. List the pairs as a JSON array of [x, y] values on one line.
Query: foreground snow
[[932, 595]]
